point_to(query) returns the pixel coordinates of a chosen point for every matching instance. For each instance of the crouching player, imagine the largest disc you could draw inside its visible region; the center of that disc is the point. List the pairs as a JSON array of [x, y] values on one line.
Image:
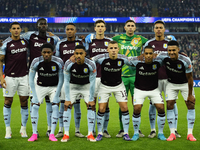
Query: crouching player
[[146, 85], [79, 78], [49, 82], [111, 82]]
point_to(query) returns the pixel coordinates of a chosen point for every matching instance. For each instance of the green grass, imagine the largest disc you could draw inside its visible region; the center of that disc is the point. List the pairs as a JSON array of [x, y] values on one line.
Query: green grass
[[17, 143]]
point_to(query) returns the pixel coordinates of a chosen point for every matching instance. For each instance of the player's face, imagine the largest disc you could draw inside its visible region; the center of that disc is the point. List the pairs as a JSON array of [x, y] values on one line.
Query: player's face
[[100, 28], [130, 28], [113, 50], [159, 29], [42, 26], [47, 54], [173, 52], [70, 31], [79, 56], [148, 55], [15, 30]]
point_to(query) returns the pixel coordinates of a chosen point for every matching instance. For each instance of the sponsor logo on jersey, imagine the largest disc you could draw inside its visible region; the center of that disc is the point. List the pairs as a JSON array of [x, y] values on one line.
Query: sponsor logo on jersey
[[36, 38], [77, 43], [65, 45], [12, 45], [68, 52], [135, 41], [74, 70], [179, 66], [97, 50], [108, 63], [22, 41], [119, 63], [154, 67], [93, 44], [53, 68], [85, 70], [106, 43], [168, 63], [41, 68], [19, 50], [165, 45], [129, 47], [142, 68], [38, 44], [48, 40]]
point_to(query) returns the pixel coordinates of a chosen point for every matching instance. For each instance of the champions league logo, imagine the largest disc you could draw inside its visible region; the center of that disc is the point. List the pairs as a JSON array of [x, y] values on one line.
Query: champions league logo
[[53, 68], [179, 66], [154, 67], [85, 70]]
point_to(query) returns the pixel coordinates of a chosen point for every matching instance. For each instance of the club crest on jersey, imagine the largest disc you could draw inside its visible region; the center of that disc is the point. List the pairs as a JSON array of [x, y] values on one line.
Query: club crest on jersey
[[154, 67], [119, 63], [53, 68], [135, 41], [22, 41], [134, 101], [99, 98], [77, 43], [106, 43], [85, 70], [6, 92], [165, 45], [48, 40], [179, 66]]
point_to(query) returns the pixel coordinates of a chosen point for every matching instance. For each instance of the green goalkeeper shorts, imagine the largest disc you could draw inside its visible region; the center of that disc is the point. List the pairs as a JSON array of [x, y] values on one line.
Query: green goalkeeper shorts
[[129, 84]]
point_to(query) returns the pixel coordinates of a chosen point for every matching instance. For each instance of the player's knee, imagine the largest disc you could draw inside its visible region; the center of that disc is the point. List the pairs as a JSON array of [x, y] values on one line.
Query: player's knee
[[102, 109], [24, 101], [8, 101], [190, 105], [170, 105], [160, 109], [124, 108]]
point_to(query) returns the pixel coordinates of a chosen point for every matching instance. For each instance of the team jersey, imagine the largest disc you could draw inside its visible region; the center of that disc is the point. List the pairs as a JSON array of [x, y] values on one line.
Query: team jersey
[[97, 47], [111, 70], [129, 46], [15, 52], [65, 48], [80, 74], [176, 70], [146, 74], [159, 46], [36, 41], [48, 72]]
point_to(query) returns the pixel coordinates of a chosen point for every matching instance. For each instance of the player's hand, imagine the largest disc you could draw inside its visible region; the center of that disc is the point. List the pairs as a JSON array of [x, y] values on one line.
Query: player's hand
[[82, 37], [3, 82], [92, 104], [141, 57], [154, 55], [171, 37], [68, 104], [89, 38], [50, 33], [73, 59], [191, 99]]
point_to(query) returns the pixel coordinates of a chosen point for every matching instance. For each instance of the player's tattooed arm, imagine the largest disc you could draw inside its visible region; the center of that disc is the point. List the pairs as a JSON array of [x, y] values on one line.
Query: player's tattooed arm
[[3, 82]]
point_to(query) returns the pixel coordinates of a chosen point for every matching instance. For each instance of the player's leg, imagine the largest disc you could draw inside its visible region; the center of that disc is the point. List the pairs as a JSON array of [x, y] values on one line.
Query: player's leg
[[61, 111], [49, 114], [106, 120], [191, 112]]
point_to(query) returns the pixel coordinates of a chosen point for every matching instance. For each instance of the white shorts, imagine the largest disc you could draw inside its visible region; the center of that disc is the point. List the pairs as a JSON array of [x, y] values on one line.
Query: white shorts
[[43, 91], [172, 91], [19, 84], [62, 94], [162, 83], [118, 91], [77, 90], [97, 85], [154, 95]]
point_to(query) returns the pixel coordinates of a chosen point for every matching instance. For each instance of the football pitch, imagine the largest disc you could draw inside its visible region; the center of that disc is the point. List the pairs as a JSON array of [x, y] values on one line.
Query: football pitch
[[43, 143]]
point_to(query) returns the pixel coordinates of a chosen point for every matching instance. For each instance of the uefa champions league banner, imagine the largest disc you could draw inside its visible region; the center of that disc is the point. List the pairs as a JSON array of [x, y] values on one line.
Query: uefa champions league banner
[[106, 19], [196, 83]]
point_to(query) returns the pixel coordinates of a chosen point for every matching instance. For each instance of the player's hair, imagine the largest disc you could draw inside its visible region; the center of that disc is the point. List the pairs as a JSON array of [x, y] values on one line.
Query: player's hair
[[70, 24], [40, 20], [173, 43], [148, 46], [13, 23], [99, 21], [112, 42], [129, 21], [159, 21], [80, 47], [47, 45]]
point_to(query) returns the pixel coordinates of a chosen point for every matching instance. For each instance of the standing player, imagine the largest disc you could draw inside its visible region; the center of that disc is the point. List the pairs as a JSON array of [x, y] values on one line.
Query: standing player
[[159, 43], [129, 44], [14, 53], [99, 45], [64, 50], [79, 78], [179, 72], [146, 85], [36, 40], [49, 82], [111, 82]]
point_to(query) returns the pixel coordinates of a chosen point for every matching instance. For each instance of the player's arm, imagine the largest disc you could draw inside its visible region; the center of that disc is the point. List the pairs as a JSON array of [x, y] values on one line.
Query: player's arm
[[89, 38], [32, 72], [98, 58], [92, 79], [60, 83], [3, 82], [57, 50], [190, 87]]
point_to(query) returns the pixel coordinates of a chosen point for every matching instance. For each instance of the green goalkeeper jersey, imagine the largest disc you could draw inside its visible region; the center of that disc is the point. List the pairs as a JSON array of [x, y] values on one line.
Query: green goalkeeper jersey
[[129, 46]]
